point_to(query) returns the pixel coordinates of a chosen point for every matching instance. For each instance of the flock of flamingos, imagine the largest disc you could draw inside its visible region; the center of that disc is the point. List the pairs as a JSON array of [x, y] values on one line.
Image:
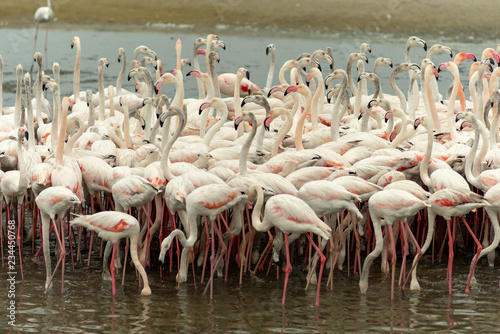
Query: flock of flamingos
[[314, 164]]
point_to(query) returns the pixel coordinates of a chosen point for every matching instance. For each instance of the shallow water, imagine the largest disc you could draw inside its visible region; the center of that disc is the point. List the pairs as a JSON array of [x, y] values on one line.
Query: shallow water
[[87, 306]]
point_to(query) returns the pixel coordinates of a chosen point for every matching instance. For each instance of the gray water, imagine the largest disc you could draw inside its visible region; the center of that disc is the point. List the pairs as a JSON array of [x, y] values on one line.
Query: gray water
[[87, 305]]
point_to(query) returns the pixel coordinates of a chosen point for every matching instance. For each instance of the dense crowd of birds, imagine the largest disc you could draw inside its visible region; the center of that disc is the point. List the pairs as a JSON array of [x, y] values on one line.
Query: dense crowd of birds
[[307, 164]]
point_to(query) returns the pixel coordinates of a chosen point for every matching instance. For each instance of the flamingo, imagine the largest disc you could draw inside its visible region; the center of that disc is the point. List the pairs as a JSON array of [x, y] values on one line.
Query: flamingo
[[113, 226], [43, 15], [208, 200], [54, 201], [290, 215], [448, 202], [493, 197], [14, 184], [386, 207]]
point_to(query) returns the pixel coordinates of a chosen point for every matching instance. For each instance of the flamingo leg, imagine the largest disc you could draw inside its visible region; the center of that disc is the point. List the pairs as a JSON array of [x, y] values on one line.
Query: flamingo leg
[[63, 253], [476, 257], [419, 252], [112, 269], [205, 255], [127, 246], [393, 259], [288, 268], [323, 259], [224, 249], [62, 250], [450, 252], [19, 228], [404, 233]]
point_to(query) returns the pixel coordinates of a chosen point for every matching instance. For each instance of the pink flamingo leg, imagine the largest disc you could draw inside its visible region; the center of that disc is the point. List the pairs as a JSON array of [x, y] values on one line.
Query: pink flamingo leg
[[91, 232], [212, 257], [71, 246], [205, 256], [393, 259], [479, 249], [62, 250], [419, 253], [112, 269], [19, 239], [405, 250], [288, 268], [450, 252], [323, 259]]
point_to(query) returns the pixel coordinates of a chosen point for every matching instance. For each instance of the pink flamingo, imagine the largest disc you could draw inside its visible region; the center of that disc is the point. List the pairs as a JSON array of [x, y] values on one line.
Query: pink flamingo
[[14, 184], [448, 202], [493, 197], [290, 215], [386, 207], [113, 226], [208, 200], [53, 201]]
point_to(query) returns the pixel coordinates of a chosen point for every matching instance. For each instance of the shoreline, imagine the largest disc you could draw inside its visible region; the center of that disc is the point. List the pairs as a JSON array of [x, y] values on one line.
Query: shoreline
[[453, 18]]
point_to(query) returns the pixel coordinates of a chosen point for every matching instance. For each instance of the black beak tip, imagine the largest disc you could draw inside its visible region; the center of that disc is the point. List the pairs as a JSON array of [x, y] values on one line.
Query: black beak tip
[[248, 75]]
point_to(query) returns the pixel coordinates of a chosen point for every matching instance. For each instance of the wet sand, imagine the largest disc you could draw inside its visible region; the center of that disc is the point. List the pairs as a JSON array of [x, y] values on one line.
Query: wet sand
[[454, 18]]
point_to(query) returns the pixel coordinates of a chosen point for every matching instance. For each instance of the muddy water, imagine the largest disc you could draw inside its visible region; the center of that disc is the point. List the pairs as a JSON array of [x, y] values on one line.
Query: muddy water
[[87, 306]]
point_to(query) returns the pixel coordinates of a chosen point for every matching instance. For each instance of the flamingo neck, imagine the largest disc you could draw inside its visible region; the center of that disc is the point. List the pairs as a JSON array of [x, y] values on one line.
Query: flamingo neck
[[424, 164], [165, 162], [475, 181], [451, 107], [100, 79], [285, 127], [121, 75], [68, 149], [432, 112], [216, 127], [23, 178], [395, 88], [236, 102], [256, 221], [62, 136], [300, 124], [54, 135], [76, 73], [246, 148], [270, 73], [17, 106]]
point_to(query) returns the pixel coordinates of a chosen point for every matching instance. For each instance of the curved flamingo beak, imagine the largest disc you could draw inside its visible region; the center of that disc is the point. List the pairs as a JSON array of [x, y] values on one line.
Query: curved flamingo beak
[[417, 122], [290, 89], [237, 122], [203, 106], [470, 56], [267, 122], [442, 67], [273, 89], [388, 115]]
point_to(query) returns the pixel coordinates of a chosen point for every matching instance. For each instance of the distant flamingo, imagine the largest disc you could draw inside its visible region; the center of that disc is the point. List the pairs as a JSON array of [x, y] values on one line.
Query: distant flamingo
[[43, 15], [112, 226]]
